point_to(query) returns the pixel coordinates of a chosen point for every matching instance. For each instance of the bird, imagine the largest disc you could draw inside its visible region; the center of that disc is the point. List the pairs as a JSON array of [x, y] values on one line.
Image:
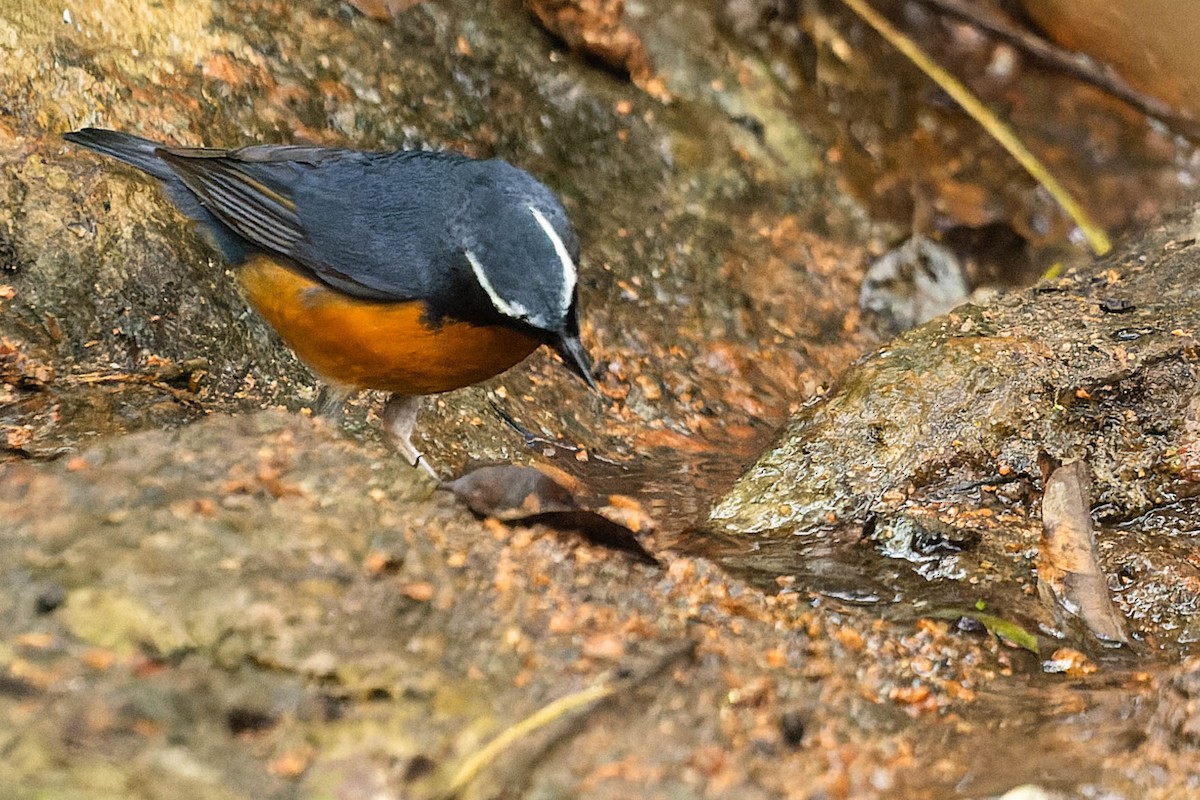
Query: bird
[[414, 272]]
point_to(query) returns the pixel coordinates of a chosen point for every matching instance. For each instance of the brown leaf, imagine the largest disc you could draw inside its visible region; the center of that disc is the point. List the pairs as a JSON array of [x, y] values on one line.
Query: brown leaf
[[596, 28], [1069, 576], [511, 493], [383, 10], [517, 494]]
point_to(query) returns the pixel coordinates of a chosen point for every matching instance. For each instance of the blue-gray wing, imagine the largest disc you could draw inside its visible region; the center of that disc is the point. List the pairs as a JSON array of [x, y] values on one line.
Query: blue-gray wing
[[370, 224]]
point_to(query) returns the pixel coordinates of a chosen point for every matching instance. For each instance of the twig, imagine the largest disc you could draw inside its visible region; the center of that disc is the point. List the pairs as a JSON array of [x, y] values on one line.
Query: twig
[[1096, 237], [1078, 65], [481, 760]]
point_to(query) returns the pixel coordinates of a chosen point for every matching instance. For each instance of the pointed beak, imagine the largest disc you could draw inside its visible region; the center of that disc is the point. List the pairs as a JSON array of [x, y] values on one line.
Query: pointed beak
[[570, 349]]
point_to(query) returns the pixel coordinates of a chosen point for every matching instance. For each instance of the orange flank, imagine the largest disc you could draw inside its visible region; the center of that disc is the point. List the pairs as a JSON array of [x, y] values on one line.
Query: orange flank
[[376, 345]]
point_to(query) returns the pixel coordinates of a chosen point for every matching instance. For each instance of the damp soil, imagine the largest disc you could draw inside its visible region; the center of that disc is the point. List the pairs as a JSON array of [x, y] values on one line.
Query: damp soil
[[207, 591]]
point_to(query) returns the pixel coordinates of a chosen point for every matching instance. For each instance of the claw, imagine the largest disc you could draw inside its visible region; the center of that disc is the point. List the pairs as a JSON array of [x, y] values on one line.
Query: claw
[[399, 420]]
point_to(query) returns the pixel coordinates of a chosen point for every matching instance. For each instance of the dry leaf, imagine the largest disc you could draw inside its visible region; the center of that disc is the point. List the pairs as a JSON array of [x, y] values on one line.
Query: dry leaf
[[1069, 575]]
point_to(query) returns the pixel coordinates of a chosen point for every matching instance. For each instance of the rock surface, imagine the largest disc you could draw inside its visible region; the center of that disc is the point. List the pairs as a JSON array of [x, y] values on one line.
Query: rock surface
[[1099, 364], [199, 598], [936, 447]]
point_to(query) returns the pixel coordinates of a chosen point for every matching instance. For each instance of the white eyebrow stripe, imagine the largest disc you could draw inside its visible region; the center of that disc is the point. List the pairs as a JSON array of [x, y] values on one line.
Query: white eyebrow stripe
[[513, 310], [568, 266]]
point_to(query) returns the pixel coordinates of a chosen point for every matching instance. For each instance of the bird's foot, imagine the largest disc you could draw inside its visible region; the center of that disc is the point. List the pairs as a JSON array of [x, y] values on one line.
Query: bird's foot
[[399, 420]]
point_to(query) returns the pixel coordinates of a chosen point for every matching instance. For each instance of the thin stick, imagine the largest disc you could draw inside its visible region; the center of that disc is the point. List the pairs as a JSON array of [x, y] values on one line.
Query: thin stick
[[1095, 235], [556, 710], [479, 761]]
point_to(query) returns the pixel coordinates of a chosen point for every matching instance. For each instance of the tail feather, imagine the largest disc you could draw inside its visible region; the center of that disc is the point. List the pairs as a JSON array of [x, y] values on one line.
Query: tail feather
[[144, 155], [133, 150]]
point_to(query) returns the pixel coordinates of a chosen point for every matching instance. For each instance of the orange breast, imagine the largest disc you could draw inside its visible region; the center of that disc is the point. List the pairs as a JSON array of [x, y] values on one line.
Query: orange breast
[[376, 345]]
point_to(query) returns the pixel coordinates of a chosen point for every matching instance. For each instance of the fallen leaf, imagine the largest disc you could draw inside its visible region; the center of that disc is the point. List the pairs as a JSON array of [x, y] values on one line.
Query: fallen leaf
[[511, 493], [1069, 662], [597, 29], [383, 10], [1070, 580], [526, 495]]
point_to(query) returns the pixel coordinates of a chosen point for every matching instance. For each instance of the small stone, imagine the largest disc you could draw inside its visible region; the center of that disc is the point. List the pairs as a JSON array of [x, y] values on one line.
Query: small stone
[[792, 727], [49, 598]]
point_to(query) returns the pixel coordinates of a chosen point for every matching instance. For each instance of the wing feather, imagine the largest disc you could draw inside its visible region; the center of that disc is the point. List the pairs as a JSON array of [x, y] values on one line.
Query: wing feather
[[372, 225], [265, 215]]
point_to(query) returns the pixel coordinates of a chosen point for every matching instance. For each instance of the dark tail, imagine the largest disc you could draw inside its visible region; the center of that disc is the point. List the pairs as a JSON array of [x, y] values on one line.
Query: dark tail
[[133, 150], [143, 154]]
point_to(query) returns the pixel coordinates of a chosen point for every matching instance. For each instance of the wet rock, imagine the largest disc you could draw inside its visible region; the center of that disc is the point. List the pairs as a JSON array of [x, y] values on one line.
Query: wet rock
[[1175, 725], [946, 435], [980, 395]]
